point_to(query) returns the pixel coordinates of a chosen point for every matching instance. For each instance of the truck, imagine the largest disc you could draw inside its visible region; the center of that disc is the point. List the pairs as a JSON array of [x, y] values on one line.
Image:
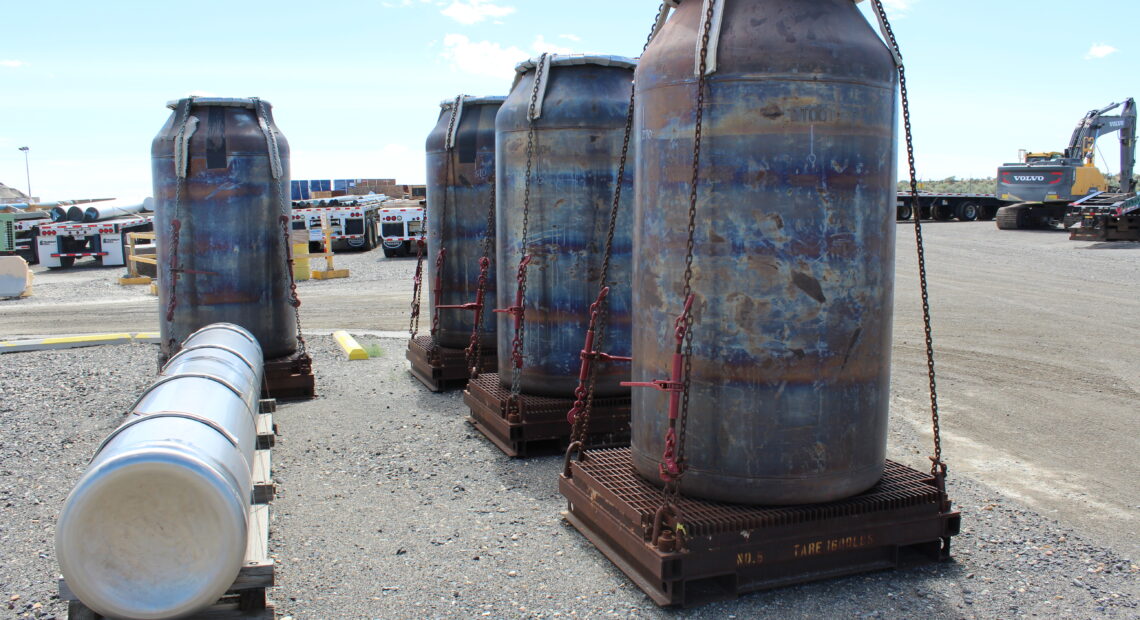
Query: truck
[[353, 220], [18, 233], [59, 244], [944, 206], [401, 225], [1044, 185]]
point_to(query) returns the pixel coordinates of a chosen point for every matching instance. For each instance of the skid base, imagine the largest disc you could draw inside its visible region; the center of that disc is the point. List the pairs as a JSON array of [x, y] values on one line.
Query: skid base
[[733, 549], [540, 426], [289, 378], [443, 368]]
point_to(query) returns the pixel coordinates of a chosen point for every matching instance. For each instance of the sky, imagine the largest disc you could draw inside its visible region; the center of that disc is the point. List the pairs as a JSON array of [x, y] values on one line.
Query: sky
[[356, 85]]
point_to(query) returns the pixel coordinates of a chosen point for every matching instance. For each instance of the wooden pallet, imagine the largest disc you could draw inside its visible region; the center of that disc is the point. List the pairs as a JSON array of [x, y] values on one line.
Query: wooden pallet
[[246, 598]]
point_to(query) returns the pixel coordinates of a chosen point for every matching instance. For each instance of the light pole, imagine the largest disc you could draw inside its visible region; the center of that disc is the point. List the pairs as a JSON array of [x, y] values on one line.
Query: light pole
[[27, 171]]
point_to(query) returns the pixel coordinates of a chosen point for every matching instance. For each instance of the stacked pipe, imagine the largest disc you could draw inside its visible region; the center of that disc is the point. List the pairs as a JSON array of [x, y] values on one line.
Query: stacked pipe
[[157, 525]]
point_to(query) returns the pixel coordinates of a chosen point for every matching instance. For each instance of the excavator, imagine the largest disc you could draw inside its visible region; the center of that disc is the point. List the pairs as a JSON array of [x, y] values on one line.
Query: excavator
[[1046, 187]]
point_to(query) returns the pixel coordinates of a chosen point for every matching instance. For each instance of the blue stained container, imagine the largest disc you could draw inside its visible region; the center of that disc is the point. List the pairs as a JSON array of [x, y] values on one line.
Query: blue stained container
[[458, 197], [233, 209], [578, 142]]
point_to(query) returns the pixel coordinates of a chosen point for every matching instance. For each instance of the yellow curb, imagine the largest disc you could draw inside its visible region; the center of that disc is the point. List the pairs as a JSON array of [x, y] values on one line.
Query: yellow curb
[[89, 339], [350, 346], [146, 337], [330, 274]]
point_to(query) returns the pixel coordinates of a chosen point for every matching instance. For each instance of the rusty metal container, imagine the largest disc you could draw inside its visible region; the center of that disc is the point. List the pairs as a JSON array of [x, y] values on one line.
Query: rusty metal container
[[460, 173], [221, 172], [578, 142], [794, 256]]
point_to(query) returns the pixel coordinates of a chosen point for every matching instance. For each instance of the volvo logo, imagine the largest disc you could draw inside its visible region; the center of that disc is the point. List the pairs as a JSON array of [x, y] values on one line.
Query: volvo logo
[[1028, 178]]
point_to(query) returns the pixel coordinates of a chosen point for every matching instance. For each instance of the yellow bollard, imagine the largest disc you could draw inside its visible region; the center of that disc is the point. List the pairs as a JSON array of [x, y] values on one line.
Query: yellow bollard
[[301, 268]]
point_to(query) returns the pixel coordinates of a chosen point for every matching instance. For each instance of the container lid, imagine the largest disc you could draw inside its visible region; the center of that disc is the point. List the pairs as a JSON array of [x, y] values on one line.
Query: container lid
[[471, 100], [221, 102], [561, 60]]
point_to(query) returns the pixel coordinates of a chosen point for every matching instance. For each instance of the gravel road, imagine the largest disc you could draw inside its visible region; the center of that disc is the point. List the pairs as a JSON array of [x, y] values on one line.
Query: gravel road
[[389, 505]]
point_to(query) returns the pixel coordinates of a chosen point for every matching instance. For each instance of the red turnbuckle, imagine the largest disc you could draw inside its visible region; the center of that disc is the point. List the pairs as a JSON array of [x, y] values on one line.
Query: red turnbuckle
[[670, 469], [517, 311], [589, 356], [438, 290]]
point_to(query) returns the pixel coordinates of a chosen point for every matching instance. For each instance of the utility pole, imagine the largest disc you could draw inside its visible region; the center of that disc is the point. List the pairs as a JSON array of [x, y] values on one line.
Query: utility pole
[[27, 172]]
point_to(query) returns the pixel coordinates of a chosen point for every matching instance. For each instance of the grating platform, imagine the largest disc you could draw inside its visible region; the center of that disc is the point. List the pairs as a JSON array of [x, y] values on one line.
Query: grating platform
[[443, 368], [540, 426], [289, 378], [734, 549]]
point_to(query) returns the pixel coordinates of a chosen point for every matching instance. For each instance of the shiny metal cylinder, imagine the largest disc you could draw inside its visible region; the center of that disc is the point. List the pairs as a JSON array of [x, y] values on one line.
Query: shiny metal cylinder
[[577, 148], [157, 525], [232, 208], [114, 209], [794, 250], [460, 173]]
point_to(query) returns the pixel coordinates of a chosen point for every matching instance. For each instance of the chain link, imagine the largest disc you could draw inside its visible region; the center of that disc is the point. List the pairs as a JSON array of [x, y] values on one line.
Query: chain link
[[581, 428], [176, 225], [672, 491], [937, 466], [475, 348], [520, 324], [450, 181]]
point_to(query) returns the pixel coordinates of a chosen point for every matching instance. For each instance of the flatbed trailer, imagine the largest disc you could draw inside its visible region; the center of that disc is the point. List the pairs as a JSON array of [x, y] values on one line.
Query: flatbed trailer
[[354, 222], [1104, 216], [59, 244], [945, 206], [18, 233], [401, 225]]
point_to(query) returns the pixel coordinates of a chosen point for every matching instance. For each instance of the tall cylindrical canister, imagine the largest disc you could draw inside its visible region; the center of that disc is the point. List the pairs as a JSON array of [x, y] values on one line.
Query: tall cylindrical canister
[[157, 525], [460, 174], [581, 107], [221, 188], [794, 249]]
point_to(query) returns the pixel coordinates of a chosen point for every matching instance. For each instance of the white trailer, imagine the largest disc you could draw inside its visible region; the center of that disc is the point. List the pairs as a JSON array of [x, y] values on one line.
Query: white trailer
[[401, 225], [354, 224], [59, 244]]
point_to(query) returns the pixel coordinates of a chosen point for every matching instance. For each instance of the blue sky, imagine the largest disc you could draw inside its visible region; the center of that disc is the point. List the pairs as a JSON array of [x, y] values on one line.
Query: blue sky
[[356, 84]]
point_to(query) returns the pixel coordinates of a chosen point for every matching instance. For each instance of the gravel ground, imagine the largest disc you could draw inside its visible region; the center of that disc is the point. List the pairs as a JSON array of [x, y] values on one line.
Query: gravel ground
[[389, 505]]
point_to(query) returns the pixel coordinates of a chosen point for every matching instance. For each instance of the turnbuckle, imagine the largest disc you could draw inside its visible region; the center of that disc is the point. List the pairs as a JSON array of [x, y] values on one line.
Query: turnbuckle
[[589, 356], [670, 468], [517, 310]]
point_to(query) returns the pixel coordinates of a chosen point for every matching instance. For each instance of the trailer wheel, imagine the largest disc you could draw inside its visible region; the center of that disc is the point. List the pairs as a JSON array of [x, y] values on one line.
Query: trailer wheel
[[389, 252], [942, 213], [968, 212], [903, 213], [987, 214]]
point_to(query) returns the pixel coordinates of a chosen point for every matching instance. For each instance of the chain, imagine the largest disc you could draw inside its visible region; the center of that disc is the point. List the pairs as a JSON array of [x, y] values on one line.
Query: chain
[[421, 243], [520, 324], [581, 424], [293, 300], [937, 467], [475, 348], [176, 224], [449, 184], [279, 199], [672, 492]]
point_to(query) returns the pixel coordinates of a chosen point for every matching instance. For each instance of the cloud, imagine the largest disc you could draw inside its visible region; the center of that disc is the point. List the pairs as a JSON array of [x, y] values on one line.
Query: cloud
[[13, 64], [474, 11], [1099, 50], [541, 45], [484, 58], [570, 37], [899, 5]]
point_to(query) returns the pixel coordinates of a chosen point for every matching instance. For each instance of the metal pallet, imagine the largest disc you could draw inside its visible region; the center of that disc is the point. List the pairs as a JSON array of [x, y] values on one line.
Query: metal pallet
[[733, 549], [443, 368], [289, 378], [540, 426]]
